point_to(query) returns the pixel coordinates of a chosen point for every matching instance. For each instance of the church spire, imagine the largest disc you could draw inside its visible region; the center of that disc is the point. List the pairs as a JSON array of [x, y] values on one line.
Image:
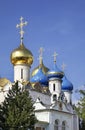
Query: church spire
[[21, 25]]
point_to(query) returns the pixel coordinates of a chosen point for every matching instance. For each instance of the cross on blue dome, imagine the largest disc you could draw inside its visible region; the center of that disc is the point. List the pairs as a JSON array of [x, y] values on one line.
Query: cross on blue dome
[[55, 72]]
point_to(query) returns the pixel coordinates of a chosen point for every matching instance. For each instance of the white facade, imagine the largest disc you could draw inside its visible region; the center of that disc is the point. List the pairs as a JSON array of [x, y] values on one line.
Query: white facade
[[21, 72], [58, 115], [68, 96], [54, 117], [52, 114]]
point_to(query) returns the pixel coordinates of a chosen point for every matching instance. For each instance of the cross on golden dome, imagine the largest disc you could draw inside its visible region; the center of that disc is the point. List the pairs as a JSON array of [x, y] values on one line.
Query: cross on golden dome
[[55, 55], [21, 25]]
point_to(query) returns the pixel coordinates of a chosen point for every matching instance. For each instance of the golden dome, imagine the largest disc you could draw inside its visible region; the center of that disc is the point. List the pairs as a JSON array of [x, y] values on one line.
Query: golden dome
[[21, 55], [3, 82], [44, 69]]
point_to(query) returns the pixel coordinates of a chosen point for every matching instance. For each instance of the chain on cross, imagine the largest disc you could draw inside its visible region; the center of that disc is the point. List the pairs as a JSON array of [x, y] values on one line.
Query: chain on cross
[[21, 25]]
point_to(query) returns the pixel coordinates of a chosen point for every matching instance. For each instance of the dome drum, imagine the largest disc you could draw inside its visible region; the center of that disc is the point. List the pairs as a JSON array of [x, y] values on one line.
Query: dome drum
[[52, 74]]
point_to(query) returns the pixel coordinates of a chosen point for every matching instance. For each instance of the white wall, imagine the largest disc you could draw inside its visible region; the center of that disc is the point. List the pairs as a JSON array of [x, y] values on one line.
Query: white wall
[[17, 72], [60, 116], [68, 96]]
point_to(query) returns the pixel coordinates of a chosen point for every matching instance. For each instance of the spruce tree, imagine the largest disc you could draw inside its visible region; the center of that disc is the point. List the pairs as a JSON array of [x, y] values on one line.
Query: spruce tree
[[17, 111]]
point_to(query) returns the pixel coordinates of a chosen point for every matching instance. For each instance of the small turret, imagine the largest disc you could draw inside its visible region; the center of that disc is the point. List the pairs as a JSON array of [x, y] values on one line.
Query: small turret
[[55, 79]]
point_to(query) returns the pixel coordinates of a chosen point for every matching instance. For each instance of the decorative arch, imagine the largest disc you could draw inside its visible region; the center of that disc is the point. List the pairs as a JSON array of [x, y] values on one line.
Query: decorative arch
[[56, 125], [54, 97], [63, 125]]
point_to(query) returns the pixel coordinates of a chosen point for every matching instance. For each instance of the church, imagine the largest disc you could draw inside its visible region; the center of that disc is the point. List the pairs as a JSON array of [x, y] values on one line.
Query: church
[[49, 88]]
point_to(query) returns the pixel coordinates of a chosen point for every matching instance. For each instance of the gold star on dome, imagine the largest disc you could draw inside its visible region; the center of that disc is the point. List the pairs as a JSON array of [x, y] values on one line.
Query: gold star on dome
[[21, 25]]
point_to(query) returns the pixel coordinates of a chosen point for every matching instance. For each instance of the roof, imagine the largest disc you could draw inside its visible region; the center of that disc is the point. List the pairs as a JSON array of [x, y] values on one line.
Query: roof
[[4, 81]]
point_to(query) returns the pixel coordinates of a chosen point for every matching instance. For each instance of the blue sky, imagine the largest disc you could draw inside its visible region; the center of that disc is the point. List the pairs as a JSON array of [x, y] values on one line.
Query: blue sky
[[55, 25]]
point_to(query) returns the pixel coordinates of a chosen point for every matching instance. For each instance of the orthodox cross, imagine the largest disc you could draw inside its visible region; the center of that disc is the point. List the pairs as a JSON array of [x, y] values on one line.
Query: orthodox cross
[[21, 25], [55, 55], [63, 66]]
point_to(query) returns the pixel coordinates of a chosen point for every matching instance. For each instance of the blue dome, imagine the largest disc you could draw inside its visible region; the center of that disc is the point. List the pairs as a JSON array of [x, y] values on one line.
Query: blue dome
[[55, 72], [66, 84], [40, 77]]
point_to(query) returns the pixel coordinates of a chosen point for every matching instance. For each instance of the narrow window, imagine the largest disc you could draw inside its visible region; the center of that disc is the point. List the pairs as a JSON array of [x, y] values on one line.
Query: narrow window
[[54, 97], [21, 73], [54, 87], [56, 126], [63, 125]]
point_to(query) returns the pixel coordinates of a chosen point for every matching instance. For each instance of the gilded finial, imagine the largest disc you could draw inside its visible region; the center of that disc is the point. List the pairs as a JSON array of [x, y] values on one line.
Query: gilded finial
[[63, 66], [55, 56], [41, 55], [21, 25]]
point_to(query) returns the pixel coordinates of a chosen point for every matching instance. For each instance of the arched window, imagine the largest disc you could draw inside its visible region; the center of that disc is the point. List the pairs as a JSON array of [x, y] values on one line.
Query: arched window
[[63, 125], [54, 97], [56, 126]]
